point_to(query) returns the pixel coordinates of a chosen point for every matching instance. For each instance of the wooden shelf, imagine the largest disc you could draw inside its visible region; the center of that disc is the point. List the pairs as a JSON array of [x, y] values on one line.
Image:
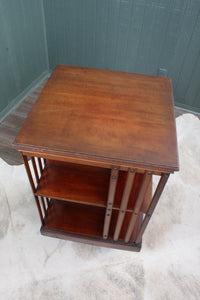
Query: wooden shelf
[[84, 184], [75, 183], [82, 223], [83, 219], [75, 218]]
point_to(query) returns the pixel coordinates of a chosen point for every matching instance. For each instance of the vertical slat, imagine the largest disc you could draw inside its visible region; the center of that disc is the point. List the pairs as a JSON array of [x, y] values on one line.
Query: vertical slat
[[40, 164], [138, 204], [35, 168], [124, 202], [42, 161], [137, 226], [111, 196], [32, 186], [43, 205], [157, 194], [48, 201], [45, 161]]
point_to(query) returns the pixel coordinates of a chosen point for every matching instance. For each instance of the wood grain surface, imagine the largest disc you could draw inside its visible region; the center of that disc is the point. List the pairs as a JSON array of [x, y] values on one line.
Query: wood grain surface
[[104, 115]]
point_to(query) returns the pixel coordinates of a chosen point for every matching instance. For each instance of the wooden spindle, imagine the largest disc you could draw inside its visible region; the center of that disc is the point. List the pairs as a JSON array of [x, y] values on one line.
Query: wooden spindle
[[48, 201], [156, 196], [111, 196], [43, 205], [124, 202], [43, 162], [40, 164], [35, 168], [145, 183]]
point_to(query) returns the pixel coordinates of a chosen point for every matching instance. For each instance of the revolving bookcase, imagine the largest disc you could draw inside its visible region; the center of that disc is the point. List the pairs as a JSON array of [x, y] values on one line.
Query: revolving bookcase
[[95, 139]]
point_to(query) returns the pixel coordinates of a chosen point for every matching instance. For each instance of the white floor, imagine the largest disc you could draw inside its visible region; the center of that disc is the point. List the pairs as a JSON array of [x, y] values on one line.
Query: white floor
[[168, 267]]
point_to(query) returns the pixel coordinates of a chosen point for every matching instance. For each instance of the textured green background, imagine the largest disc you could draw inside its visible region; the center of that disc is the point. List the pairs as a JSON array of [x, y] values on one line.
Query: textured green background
[[23, 55], [136, 36]]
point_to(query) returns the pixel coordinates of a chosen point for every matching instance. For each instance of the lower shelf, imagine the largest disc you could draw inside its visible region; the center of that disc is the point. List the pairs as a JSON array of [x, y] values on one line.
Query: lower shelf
[[84, 224], [73, 218]]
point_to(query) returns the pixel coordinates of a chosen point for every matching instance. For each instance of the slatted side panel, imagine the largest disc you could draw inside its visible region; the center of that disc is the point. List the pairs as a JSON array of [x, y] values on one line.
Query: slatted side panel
[[156, 196], [138, 204], [40, 170], [34, 171], [143, 200]]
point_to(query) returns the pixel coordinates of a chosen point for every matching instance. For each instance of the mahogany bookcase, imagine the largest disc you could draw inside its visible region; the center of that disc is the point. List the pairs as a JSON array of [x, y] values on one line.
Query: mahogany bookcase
[[95, 138]]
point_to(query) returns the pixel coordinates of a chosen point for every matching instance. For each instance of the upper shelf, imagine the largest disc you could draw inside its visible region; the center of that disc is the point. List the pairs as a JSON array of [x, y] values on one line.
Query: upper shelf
[[86, 185], [73, 182]]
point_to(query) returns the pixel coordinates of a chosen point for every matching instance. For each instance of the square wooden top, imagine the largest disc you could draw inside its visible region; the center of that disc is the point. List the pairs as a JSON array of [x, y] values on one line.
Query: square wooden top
[[106, 116]]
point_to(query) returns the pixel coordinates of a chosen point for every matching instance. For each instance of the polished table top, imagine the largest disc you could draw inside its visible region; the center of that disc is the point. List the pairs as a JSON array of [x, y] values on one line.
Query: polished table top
[[107, 116]]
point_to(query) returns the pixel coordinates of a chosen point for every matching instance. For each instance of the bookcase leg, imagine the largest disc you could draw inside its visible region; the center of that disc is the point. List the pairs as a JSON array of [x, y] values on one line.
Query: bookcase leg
[[33, 185], [138, 204], [156, 196], [111, 196], [39, 209], [124, 202]]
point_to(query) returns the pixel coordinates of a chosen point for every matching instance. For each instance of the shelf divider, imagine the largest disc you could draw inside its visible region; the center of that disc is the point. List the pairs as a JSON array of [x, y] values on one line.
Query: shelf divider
[[124, 202], [111, 196]]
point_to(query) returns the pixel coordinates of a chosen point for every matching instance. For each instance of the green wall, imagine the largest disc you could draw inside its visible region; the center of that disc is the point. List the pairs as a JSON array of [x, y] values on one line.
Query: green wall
[[158, 37], [136, 36], [23, 53]]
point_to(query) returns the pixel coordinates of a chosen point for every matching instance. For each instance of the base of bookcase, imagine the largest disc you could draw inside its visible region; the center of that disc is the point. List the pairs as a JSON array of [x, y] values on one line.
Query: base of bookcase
[[84, 223], [89, 240]]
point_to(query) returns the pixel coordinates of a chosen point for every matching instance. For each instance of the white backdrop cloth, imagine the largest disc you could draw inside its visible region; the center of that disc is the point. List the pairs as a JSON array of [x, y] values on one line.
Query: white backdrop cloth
[[168, 267]]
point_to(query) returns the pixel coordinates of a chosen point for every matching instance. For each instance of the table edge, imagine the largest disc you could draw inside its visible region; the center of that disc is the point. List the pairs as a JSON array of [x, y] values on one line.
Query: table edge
[[101, 159]]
